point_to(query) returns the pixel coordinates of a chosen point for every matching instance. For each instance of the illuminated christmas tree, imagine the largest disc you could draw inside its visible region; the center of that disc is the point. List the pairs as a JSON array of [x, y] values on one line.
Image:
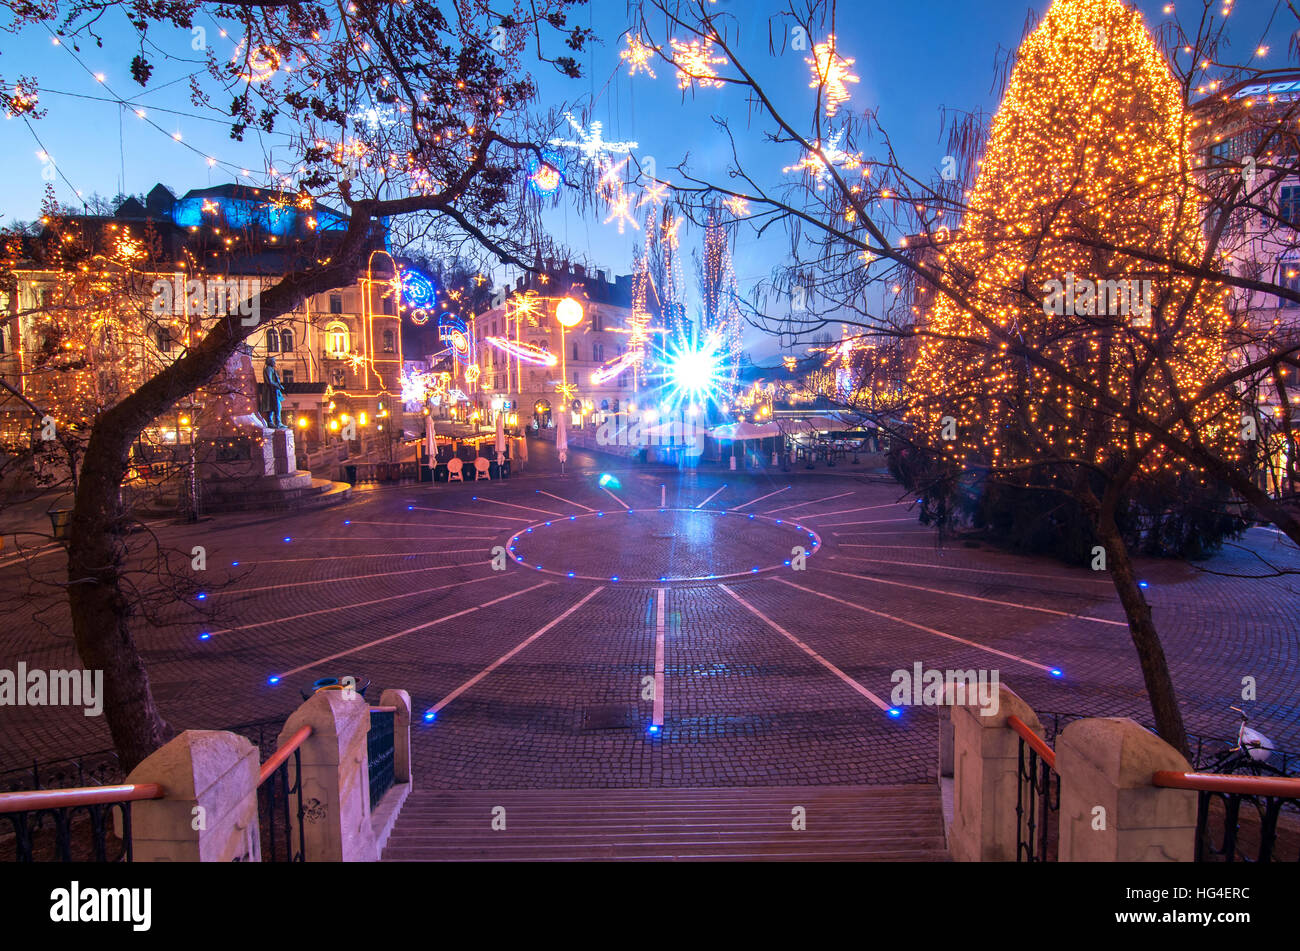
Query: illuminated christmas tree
[[1088, 154]]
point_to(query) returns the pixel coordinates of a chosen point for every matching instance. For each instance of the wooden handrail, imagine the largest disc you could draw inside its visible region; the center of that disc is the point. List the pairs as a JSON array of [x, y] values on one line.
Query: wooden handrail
[[1036, 742], [282, 754], [1280, 786], [383, 709], [29, 801]]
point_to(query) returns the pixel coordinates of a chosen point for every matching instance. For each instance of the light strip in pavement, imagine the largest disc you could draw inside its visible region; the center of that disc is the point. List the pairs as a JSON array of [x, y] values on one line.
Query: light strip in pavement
[[760, 498]]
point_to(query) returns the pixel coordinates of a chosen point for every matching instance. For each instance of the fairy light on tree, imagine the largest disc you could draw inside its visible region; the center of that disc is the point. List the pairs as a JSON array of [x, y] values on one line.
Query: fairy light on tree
[[638, 56], [1016, 383], [695, 62]]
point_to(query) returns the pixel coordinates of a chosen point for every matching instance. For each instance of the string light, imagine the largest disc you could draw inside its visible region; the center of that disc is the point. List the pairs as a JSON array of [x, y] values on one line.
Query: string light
[[831, 72]]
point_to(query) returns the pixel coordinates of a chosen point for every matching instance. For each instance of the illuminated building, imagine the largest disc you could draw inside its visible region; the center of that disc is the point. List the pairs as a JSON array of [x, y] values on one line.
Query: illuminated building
[[592, 348], [342, 347]]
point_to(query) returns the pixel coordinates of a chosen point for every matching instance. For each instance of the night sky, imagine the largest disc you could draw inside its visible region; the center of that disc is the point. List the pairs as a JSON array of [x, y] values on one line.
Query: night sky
[[914, 58]]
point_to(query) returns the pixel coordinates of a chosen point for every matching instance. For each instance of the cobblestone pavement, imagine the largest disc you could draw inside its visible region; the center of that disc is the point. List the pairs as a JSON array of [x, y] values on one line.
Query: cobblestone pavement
[[536, 679]]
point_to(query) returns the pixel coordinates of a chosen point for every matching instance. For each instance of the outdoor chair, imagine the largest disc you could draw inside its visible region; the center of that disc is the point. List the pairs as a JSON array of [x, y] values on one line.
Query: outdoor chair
[[481, 466], [454, 466]]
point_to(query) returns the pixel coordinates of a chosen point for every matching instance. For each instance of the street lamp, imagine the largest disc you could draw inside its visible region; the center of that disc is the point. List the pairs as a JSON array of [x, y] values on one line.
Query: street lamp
[[568, 313]]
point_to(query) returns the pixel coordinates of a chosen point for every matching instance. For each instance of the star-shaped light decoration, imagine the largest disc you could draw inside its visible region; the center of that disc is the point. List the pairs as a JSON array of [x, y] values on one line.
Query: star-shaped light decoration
[[738, 206], [620, 211], [638, 56], [814, 164], [695, 62], [656, 193], [831, 71], [591, 143]]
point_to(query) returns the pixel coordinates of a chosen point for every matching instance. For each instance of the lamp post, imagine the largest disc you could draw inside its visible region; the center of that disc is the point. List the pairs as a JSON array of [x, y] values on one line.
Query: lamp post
[[568, 313]]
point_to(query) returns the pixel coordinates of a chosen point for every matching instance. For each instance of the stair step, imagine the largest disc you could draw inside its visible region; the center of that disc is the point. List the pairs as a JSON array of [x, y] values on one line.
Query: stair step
[[844, 823]]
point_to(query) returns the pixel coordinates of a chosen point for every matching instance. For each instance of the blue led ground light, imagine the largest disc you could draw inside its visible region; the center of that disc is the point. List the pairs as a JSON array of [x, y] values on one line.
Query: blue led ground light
[[539, 528]]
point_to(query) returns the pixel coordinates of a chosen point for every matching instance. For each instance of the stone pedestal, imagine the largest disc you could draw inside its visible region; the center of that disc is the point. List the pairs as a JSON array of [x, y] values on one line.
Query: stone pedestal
[[335, 777], [1110, 811], [284, 459], [210, 810], [986, 773]]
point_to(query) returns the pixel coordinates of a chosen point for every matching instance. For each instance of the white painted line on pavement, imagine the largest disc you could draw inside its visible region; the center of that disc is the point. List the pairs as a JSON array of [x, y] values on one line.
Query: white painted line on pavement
[[526, 508], [349, 607], [377, 574], [971, 597], [809, 651], [865, 508], [813, 502], [706, 501], [760, 498], [570, 501], [505, 657], [922, 627], [979, 571], [386, 554], [409, 630], [508, 518]]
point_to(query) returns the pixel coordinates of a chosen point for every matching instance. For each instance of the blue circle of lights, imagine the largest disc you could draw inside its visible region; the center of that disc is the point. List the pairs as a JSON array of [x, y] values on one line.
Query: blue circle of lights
[[513, 543]]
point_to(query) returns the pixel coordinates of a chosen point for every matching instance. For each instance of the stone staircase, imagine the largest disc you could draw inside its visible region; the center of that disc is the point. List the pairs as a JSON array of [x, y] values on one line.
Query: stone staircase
[[843, 823]]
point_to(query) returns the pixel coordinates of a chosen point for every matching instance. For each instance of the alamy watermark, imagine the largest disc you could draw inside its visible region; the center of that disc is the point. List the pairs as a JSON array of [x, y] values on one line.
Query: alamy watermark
[[940, 688], [641, 432], [212, 297], [53, 688], [1081, 297]]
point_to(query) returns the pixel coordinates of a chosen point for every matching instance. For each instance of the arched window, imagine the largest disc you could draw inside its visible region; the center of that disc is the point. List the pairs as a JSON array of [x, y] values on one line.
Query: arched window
[[286, 341], [336, 338], [272, 341], [604, 405], [390, 345]]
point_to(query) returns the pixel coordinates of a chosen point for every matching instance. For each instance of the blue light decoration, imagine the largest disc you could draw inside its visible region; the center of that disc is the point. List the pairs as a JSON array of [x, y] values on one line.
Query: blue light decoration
[[544, 174], [201, 596], [1143, 584], [654, 728], [430, 716], [204, 636], [454, 331], [607, 481], [273, 680], [894, 712], [1057, 672]]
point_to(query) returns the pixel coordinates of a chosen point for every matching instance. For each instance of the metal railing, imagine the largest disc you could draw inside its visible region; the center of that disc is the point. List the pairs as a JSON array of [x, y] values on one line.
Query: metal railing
[[1038, 796], [27, 813], [1238, 817], [275, 792], [380, 752]]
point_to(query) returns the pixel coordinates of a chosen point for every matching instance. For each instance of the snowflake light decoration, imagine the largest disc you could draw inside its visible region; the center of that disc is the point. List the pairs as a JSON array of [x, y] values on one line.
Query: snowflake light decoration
[[638, 56], [738, 206], [591, 143], [818, 161], [695, 62], [831, 72]]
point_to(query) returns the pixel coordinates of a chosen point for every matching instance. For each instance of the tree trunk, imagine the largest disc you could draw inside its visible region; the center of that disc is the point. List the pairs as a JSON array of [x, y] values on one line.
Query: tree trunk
[[1151, 655], [101, 612]]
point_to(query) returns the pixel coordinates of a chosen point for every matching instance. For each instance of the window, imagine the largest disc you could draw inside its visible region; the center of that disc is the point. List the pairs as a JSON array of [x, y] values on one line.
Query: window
[[163, 335], [597, 321], [1288, 276], [272, 342], [286, 341], [390, 307], [1289, 205], [389, 344], [575, 350], [338, 377], [604, 405], [615, 406], [286, 377], [336, 303], [336, 339], [598, 352]]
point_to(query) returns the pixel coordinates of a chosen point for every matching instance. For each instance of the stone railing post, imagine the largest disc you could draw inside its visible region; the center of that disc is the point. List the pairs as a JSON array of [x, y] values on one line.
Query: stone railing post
[[1110, 811], [210, 810], [401, 733], [986, 775], [335, 777]]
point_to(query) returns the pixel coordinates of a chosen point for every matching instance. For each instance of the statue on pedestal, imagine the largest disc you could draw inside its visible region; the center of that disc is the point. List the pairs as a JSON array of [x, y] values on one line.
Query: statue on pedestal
[[274, 394]]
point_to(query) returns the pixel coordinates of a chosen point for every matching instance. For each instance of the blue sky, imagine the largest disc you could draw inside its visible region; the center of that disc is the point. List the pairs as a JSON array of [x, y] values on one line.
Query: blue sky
[[914, 58]]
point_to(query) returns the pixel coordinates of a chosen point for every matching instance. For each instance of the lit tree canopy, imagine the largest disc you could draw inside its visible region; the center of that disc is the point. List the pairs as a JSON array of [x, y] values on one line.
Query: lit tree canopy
[[1087, 170]]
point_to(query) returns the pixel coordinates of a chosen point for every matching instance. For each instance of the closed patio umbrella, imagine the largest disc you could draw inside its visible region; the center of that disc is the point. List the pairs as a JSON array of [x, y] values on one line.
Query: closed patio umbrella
[[501, 437], [429, 438], [562, 437]]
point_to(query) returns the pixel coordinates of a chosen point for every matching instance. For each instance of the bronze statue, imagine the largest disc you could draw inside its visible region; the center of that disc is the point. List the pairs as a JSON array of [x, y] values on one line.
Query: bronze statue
[[274, 393]]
